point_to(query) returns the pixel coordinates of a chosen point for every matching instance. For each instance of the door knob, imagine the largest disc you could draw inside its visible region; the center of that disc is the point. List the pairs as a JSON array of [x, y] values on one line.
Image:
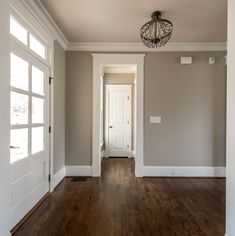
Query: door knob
[[13, 147], [110, 126]]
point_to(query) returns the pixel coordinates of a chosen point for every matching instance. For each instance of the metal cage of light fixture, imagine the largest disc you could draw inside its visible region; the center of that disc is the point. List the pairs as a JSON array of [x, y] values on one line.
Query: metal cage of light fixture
[[156, 32]]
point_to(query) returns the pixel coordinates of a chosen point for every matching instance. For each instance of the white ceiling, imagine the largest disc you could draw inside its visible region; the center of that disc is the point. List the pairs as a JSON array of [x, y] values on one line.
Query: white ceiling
[[121, 20]]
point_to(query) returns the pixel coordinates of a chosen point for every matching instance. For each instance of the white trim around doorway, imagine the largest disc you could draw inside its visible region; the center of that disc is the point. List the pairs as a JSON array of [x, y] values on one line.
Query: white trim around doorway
[[99, 62]]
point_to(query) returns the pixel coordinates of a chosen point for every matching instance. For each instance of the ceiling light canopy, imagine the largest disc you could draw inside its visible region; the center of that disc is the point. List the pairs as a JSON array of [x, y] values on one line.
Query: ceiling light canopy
[[156, 32]]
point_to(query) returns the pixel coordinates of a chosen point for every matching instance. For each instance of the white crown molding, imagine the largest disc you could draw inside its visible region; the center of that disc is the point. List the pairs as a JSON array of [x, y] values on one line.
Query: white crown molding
[[37, 9], [185, 171], [139, 47], [40, 13]]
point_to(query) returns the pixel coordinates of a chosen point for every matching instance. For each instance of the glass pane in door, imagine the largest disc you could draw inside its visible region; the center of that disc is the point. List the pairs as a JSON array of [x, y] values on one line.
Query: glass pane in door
[[19, 108], [19, 72], [37, 139], [37, 81], [37, 110], [37, 46], [19, 144], [18, 31]]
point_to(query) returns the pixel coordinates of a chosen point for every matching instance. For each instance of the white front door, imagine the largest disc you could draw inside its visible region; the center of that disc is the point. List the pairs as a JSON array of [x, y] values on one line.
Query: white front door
[[29, 144], [118, 120]]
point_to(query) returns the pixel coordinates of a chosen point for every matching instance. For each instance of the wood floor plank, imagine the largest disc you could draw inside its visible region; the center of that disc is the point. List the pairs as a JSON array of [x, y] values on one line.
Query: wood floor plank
[[119, 204]]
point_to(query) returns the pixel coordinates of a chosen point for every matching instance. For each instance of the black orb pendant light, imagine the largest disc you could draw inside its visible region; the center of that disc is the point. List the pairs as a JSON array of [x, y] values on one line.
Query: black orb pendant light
[[156, 32]]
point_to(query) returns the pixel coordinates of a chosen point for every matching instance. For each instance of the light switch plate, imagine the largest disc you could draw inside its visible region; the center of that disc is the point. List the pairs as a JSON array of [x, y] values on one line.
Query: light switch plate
[[155, 119], [186, 60]]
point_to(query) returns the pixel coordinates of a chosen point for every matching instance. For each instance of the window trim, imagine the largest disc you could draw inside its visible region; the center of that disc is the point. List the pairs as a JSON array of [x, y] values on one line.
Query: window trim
[[42, 38]]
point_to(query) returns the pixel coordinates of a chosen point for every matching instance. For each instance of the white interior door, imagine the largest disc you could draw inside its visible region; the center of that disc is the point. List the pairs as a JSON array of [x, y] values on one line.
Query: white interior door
[[118, 120], [29, 144]]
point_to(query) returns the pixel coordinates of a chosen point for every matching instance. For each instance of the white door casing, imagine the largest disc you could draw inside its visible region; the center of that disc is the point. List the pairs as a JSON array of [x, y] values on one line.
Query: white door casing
[[99, 62], [118, 120], [29, 176]]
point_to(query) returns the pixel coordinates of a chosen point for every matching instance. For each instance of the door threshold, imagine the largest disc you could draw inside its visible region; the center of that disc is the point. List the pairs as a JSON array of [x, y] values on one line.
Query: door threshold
[[116, 157]]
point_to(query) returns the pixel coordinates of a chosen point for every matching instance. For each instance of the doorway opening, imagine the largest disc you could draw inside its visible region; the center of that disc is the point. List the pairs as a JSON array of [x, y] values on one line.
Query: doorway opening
[[119, 112], [128, 136]]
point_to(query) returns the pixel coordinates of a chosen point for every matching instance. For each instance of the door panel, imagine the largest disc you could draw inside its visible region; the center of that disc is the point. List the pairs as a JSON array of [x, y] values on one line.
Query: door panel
[[22, 186], [29, 133], [118, 139], [118, 102], [117, 108]]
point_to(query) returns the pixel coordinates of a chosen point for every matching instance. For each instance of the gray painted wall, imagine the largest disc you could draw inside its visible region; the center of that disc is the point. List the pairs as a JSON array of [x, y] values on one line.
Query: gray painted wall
[[59, 107], [119, 78], [190, 99], [78, 108]]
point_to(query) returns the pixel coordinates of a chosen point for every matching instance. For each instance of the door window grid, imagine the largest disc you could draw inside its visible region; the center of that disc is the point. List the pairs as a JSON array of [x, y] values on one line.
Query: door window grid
[[29, 39], [29, 126]]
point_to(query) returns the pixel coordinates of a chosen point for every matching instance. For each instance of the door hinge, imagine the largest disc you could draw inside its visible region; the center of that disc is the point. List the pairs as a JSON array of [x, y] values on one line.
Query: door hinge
[[50, 79], [128, 97], [49, 178], [49, 129]]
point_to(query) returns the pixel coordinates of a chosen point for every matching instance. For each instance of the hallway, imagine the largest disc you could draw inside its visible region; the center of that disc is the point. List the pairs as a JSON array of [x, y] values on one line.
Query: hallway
[[120, 204]]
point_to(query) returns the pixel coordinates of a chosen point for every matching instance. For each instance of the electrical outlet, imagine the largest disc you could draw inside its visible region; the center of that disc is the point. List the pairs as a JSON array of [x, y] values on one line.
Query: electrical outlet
[[155, 119]]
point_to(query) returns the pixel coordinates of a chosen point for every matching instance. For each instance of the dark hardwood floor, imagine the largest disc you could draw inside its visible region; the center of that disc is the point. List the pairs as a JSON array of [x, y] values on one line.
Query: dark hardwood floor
[[120, 204]]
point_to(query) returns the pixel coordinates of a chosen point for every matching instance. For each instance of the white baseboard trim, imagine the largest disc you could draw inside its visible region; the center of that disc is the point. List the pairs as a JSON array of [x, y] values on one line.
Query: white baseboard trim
[[105, 154], [57, 177], [78, 170], [102, 155], [185, 171], [154, 171], [133, 153]]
